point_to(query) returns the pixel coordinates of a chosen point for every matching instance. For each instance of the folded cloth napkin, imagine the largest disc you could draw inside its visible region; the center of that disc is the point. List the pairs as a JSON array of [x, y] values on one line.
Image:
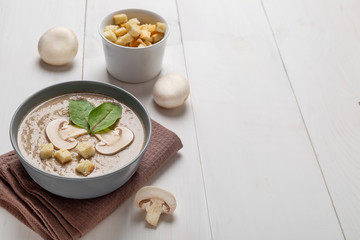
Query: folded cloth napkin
[[54, 217]]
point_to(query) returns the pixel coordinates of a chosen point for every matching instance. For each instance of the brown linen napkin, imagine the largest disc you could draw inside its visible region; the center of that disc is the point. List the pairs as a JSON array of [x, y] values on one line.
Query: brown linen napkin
[[54, 217]]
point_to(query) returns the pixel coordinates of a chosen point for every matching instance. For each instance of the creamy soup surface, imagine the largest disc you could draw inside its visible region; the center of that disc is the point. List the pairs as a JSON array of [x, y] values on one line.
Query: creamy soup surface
[[32, 135]]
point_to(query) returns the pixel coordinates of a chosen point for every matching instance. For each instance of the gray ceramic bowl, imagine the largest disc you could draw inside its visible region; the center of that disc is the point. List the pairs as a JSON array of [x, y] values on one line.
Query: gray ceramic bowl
[[76, 187]]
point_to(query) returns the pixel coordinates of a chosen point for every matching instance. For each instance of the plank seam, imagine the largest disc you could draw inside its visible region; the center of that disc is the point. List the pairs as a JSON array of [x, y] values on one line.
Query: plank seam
[[84, 34], [195, 126], [302, 117]]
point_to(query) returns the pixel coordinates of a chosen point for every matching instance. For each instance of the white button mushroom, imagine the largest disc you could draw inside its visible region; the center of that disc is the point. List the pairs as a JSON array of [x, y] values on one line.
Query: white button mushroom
[[171, 90], [114, 141], [62, 135], [58, 46], [155, 201]]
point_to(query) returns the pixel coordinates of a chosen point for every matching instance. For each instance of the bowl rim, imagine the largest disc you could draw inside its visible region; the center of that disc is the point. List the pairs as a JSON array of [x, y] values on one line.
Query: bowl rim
[[167, 33], [23, 160]]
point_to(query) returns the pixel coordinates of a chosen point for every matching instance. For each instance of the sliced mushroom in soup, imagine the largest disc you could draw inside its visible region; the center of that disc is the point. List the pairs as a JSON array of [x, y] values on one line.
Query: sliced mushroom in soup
[[49, 122]]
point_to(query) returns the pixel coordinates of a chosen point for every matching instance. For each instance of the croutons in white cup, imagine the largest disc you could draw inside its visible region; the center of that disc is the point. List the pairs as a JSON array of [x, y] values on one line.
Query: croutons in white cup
[[133, 64]]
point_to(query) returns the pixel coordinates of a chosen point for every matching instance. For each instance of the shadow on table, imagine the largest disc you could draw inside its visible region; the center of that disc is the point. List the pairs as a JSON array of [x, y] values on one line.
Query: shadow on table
[[140, 90], [172, 113], [140, 217], [50, 68]]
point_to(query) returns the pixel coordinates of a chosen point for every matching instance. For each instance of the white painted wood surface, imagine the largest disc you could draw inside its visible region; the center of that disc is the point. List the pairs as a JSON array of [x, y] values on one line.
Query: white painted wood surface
[[320, 45], [182, 176], [22, 73], [261, 176], [269, 132]]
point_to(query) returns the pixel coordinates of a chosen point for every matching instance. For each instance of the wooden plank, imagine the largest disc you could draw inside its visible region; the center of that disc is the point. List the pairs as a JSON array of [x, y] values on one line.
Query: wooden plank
[[319, 42], [261, 175], [182, 175], [22, 73]]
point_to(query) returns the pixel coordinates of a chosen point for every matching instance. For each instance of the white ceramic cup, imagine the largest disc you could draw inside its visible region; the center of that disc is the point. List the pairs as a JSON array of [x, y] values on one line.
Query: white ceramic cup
[[130, 64]]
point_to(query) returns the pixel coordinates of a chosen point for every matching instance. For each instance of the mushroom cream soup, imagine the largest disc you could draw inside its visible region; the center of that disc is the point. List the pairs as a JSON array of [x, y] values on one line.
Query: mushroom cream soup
[[33, 131]]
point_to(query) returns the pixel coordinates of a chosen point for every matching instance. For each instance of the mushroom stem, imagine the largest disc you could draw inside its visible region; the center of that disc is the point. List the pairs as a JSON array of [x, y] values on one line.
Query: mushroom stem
[[155, 201], [154, 208]]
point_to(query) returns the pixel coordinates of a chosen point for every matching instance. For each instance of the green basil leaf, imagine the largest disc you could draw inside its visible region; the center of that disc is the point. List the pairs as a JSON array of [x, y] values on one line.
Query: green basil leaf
[[79, 111], [103, 116]]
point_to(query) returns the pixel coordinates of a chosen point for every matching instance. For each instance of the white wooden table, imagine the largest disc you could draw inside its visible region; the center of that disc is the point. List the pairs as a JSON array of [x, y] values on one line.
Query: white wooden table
[[271, 131]]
